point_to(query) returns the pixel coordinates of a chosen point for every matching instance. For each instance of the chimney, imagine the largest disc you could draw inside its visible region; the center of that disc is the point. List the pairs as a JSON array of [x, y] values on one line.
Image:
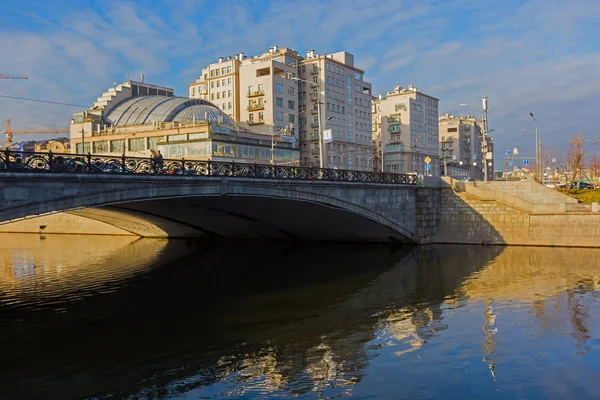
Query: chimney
[[228, 58], [274, 49], [220, 59], [310, 53], [380, 96]]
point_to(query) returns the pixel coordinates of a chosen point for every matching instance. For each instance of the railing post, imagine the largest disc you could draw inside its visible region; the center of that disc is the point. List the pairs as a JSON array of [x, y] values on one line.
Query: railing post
[[182, 166], [7, 158], [50, 160], [209, 172], [123, 163], [89, 162], [232, 172]]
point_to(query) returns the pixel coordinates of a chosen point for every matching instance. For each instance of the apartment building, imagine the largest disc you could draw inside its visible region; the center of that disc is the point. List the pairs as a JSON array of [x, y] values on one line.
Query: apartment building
[[405, 132], [461, 146], [219, 83], [331, 88], [268, 94]]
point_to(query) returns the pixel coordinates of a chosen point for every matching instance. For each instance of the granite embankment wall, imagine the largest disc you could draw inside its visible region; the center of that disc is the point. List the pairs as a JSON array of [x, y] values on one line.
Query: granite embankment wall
[[483, 216]]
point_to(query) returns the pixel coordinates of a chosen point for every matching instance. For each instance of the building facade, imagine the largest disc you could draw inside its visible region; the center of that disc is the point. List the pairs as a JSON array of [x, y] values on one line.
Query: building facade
[[219, 83], [132, 125], [461, 146], [281, 92], [405, 132], [334, 97]]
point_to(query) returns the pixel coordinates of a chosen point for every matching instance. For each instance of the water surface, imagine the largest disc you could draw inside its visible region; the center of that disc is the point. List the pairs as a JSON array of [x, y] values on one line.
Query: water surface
[[97, 317]]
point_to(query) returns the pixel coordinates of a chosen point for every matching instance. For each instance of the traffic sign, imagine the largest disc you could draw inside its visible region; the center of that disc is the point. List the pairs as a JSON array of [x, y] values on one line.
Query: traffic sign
[[427, 160], [454, 157], [427, 167], [525, 162], [507, 152], [474, 156], [515, 151]]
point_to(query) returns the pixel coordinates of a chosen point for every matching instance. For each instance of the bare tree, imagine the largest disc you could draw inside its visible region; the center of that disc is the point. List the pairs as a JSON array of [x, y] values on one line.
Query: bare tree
[[594, 168], [575, 156]]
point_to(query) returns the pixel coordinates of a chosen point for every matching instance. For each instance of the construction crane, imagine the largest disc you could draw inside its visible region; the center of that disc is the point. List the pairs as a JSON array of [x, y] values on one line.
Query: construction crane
[[2, 76], [10, 132]]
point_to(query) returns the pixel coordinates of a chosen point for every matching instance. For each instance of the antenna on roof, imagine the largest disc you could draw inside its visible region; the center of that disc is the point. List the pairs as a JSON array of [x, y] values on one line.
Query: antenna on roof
[[142, 77], [126, 77]]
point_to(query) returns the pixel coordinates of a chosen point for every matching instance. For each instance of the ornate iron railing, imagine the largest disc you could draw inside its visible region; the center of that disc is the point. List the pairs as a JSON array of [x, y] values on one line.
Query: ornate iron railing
[[23, 161]]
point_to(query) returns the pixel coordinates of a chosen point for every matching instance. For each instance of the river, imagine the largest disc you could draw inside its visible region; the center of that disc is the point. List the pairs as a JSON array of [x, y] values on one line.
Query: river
[[84, 317]]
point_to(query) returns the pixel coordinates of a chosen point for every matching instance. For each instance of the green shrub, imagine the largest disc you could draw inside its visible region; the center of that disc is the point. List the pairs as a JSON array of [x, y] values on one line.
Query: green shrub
[[584, 195]]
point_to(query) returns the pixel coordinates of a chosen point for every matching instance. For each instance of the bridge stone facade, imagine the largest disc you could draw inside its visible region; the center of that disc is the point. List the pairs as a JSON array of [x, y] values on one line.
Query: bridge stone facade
[[230, 207]]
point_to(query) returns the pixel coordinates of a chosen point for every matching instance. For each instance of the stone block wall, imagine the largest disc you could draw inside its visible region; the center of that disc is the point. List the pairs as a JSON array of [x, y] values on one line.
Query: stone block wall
[[468, 220], [428, 203]]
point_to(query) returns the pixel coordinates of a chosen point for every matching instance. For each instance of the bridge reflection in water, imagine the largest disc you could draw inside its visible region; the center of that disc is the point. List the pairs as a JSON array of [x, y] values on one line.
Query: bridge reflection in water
[[155, 319]]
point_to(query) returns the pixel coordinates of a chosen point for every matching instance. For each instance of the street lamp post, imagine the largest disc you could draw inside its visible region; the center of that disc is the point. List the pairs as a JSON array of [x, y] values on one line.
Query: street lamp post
[[537, 149]]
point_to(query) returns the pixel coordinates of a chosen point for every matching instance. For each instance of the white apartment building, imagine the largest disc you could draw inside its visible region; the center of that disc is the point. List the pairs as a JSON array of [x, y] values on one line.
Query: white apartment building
[[332, 88], [405, 132], [461, 146], [219, 83], [268, 94]]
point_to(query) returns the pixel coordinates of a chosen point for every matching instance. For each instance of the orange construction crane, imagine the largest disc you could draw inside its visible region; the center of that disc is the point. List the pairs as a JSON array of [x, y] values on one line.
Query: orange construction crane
[[2, 76], [9, 132]]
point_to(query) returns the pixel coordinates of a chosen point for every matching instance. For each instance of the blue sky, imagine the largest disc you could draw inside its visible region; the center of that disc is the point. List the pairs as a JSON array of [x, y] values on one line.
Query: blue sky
[[541, 56]]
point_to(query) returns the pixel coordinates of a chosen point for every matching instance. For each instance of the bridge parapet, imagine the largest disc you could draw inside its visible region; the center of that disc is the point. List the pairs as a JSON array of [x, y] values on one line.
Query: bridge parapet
[[19, 161]]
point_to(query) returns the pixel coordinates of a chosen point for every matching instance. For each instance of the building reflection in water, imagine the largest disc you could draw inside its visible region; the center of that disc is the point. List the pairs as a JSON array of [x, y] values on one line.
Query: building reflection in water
[[208, 322]]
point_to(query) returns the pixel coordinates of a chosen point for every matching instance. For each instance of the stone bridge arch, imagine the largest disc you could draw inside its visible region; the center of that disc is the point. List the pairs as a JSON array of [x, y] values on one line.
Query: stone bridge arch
[[155, 206]]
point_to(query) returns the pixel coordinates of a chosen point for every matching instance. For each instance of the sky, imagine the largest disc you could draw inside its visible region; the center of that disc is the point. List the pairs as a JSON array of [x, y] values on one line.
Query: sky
[[540, 56]]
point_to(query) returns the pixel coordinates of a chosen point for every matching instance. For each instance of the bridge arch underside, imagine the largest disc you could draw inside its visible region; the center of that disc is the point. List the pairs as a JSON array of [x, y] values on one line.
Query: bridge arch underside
[[246, 217]]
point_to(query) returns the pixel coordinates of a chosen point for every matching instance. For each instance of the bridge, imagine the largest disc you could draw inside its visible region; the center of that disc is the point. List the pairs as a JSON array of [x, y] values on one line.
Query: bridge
[[190, 198]]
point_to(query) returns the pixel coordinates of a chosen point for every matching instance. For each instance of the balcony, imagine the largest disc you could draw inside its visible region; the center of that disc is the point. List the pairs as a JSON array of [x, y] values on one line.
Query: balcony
[[256, 93], [393, 120], [314, 125], [314, 97], [255, 122], [314, 71], [314, 111], [256, 107]]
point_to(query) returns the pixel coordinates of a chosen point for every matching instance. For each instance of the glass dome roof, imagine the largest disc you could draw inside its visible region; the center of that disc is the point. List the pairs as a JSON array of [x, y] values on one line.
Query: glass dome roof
[[148, 109]]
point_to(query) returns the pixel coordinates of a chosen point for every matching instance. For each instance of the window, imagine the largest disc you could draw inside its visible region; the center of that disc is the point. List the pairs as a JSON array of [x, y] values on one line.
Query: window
[[229, 80], [137, 144], [153, 141], [291, 91], [212, 84], [229, 93], [279, 115], [194, 91], [251, 117], [212, 96], [260, 116], [218, 83], [279, 88], [117, 146], [291, 104], [279, 102], [452, 129], [100, 147], [261, 87], [291, 118]]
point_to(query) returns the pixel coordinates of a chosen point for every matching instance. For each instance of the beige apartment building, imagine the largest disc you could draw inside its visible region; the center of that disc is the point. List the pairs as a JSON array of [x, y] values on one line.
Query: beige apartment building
[[333, 89], [405, 132], [268, 94], [280, 92], [461, 148], [219, 83]]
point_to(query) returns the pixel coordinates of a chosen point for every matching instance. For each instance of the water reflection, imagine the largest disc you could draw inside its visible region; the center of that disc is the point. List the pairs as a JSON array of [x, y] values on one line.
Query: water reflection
[[175, 320]]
